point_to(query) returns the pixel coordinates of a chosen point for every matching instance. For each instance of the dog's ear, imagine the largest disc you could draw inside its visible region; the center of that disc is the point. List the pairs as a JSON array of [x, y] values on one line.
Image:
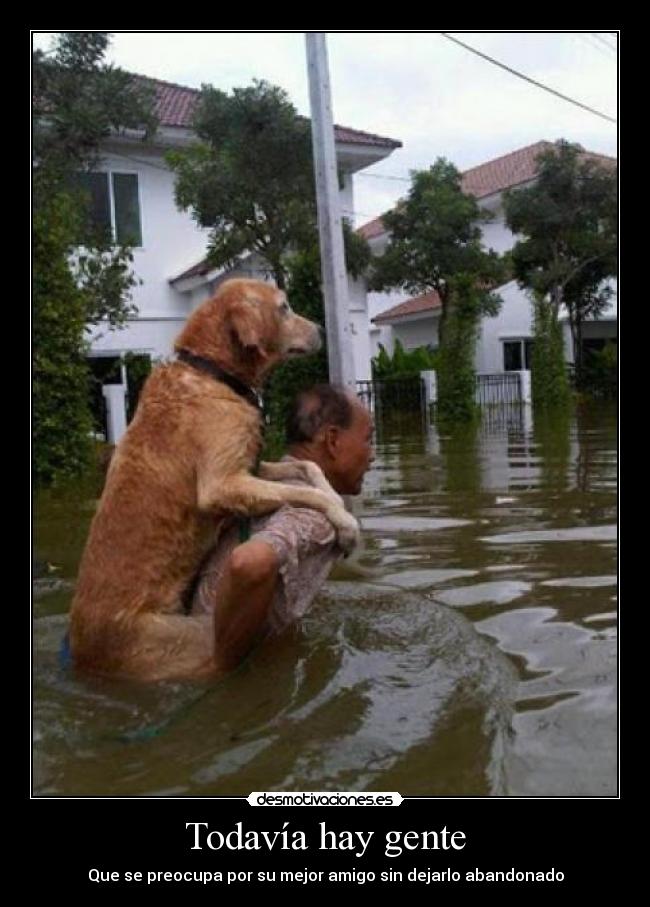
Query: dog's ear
[[248, 322]]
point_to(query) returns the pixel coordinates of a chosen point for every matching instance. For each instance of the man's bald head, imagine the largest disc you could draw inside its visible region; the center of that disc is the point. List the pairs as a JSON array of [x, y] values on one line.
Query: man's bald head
[[331, 427], [317, 407]]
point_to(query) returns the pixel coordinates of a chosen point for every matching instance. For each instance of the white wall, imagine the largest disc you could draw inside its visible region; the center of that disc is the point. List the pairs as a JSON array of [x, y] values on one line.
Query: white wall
[[154, 336], [412, 334], [359, 334], [378, 303], [346, 195], [171, 240], [171, 243], [513, 321], [497, 236]]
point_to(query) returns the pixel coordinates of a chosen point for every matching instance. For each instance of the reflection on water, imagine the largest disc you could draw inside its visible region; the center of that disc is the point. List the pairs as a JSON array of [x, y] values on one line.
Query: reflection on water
[[464, 651]]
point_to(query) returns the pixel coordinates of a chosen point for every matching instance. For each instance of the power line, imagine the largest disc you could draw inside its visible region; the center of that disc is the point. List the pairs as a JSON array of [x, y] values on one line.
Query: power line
[[604, 41], [382, 176], [591, 43], [528, 79]]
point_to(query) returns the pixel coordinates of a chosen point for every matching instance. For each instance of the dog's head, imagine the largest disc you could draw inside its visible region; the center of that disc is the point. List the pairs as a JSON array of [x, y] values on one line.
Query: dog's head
[[247, 328]]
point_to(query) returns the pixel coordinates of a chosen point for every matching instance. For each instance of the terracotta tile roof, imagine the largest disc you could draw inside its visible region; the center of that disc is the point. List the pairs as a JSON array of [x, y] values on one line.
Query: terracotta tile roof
[[175, 106], [503, 172], [494, 176], [372, 228], [174, 103], [427, 302], [357, 137]]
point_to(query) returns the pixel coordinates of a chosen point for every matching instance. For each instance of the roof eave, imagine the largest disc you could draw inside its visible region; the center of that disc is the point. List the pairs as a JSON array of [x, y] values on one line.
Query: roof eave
[[433, 312], [187, 284]]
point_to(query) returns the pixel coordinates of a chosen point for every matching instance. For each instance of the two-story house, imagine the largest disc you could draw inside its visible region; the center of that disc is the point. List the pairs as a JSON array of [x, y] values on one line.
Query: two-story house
[[504, 341]]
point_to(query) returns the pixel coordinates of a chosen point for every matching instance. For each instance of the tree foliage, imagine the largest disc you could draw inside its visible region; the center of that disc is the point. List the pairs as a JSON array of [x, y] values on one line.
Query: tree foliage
[[435, 235], [549, 379], [249, 179], [435, 244], [306, 298], [569, 245], [62, 423], [403, 363], [77, 102], [456, 373]]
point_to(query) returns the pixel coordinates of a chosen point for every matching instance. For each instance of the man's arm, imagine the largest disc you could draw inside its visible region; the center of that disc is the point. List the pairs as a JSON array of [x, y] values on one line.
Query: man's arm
[[243, 585], [243, 599]]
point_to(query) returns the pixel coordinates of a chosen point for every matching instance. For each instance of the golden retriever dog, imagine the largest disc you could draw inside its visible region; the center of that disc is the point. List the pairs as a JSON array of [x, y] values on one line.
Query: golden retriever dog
[[183, 465]]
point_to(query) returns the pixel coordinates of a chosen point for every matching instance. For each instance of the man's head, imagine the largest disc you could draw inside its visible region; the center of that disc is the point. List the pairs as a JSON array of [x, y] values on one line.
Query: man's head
[[330, 426]]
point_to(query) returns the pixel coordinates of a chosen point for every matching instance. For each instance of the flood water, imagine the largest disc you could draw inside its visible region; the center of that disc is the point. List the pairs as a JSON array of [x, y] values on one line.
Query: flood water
[[469, 649]]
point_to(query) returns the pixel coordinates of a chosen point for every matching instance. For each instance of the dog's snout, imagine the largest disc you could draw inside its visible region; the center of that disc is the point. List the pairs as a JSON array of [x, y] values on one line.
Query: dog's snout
[[302, 337]]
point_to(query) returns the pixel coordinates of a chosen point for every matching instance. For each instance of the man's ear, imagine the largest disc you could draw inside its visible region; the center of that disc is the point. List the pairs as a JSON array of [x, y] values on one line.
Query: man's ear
[[331, 439]]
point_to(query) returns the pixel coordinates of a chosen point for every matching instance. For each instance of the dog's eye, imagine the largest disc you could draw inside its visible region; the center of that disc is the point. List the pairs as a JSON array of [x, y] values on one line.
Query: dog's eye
[[285, 308]]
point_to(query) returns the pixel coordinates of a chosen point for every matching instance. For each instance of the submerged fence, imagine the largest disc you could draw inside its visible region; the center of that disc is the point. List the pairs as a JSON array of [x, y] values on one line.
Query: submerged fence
[[500, 388], [393, 394], [416, 393]]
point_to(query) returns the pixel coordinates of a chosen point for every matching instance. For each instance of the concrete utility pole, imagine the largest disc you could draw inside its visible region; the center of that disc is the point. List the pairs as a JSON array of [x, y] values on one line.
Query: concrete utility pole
[[330, 228]]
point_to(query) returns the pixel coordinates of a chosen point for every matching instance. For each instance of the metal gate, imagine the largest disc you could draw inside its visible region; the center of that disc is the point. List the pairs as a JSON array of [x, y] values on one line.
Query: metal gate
[[504, 387], [391, 395]]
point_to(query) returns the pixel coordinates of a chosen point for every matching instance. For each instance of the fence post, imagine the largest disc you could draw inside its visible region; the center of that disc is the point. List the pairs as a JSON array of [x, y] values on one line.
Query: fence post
[[430, 386], [525, 386], [115, 396]]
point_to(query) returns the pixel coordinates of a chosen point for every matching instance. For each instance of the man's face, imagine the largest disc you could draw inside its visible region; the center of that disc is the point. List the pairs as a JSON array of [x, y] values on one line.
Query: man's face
[[351, 453]]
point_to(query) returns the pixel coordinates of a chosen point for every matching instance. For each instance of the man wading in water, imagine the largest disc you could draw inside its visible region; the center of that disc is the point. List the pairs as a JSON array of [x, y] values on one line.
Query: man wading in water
[[269, 581]]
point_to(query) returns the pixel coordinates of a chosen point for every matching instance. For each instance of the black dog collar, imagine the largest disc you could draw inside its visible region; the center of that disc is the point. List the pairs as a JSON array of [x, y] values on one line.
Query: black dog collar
[[205, 365]]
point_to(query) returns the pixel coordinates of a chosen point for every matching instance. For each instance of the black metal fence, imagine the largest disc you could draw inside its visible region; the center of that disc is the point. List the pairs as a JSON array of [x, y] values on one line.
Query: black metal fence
[[392, 395], [497, 389]]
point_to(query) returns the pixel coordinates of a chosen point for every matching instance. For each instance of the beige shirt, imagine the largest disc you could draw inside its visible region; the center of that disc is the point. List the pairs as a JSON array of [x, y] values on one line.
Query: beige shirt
[[305, 544]]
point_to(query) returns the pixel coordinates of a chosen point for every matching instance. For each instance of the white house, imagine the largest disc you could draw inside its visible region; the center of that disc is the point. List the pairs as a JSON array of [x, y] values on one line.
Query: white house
[[505, 341], [133, 192]]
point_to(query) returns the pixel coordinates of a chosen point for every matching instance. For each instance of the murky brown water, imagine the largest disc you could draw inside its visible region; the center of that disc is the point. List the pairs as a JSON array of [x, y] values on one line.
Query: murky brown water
[[470, 649]]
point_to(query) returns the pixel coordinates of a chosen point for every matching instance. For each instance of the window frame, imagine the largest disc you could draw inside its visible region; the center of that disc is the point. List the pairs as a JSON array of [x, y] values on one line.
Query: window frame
[[524, 344], [109, 173]]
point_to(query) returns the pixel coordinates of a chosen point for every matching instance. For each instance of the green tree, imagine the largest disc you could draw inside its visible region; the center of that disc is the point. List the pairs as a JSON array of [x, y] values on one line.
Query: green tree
[[77, 102], [435, 244], [549, 379], [250, 180], [568, 221], [306, 298]]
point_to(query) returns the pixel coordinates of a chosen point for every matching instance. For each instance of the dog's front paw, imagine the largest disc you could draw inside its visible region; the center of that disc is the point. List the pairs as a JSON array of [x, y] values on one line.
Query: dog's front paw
[[348, 532], [316, 478]]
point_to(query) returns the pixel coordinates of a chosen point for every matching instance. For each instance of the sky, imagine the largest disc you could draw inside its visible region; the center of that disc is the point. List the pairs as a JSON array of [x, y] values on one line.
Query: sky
[[436, 97]]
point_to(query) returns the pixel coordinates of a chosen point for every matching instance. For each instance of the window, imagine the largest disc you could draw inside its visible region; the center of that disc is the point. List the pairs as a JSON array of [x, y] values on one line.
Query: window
[[517, 354], [114, 205], [591, 345]]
